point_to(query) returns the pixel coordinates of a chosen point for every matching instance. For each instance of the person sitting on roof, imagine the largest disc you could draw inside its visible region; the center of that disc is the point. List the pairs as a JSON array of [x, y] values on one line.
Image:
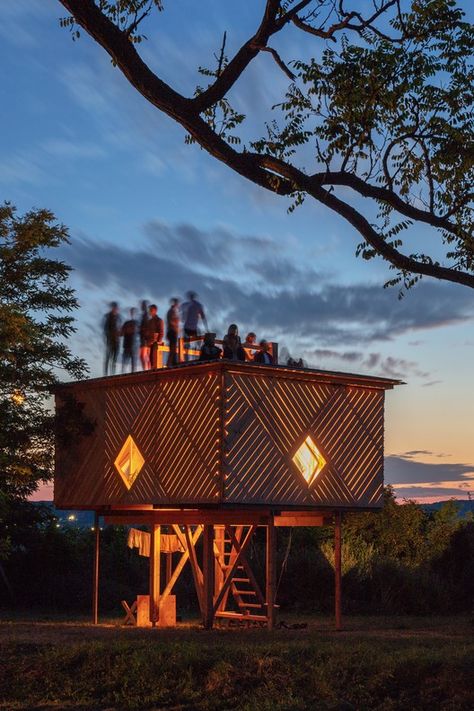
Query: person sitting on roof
[[263, 356], [232, 346], [249, 345], [209, 350]]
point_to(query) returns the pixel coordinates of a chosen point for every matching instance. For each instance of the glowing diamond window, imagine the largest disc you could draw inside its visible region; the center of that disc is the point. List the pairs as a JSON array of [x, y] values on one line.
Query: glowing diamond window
[[309, 460], [129, 462]]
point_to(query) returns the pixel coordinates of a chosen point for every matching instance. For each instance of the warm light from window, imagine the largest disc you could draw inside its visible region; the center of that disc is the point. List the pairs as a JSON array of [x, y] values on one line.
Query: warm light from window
[[309, 460], [129, 462]]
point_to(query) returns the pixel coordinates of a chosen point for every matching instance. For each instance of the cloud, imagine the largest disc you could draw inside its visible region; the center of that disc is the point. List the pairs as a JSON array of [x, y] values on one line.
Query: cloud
[[405, 471], [428, 481], [386, 365]]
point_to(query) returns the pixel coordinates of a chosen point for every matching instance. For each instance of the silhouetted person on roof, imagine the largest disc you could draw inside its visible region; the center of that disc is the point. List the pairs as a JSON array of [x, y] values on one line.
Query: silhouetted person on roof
[[144, 349], [172, 331], [263, 356], [129, 345], [111, 328], [192, 311], [232, 346], [209, 350], [154, 333], [250, 344]]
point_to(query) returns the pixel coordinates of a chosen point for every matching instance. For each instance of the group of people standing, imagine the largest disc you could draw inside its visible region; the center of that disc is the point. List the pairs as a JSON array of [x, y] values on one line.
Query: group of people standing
[[142, 336]]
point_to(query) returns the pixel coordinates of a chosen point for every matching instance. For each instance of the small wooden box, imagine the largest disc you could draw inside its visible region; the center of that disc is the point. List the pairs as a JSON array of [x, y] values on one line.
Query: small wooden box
[[167, 617]]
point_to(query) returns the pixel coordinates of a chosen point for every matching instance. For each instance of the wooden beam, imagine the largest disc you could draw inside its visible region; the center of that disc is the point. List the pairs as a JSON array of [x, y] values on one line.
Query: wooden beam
[[338, 570], [155, 549], [208, 576], [197, 573], [271, 574], [188, 517], [95, 575], [182, 561], [297, 520]]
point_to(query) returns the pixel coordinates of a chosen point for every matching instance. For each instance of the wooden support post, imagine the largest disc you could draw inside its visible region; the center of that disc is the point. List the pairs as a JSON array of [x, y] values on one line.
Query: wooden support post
[[155, 549], [208, 576], [271, 573], [95, 575], [337, 570], [169, 567]]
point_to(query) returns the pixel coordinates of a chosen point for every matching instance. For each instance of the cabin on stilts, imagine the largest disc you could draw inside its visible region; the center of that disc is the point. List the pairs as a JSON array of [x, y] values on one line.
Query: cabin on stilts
[[208, 452]]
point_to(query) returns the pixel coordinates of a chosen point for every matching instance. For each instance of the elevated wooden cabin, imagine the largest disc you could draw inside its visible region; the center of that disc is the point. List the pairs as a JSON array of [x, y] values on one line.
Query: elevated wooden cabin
[[217, 449]]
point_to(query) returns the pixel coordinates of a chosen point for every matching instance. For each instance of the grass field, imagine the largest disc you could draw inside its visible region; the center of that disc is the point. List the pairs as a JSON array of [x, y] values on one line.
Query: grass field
[[376, 663]]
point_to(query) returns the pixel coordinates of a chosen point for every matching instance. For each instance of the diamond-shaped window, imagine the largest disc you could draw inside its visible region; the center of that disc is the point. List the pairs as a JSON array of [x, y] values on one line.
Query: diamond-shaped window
[[309, 460], [129, 462]]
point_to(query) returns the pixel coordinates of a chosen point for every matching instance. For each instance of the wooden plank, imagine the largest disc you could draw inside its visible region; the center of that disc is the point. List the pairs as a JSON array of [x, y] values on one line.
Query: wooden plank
[[185, 517], [196, 570], [95, 579], [296, 521], [338, 570], [155, 573], [182, 561], [208, 576], [271, 574]]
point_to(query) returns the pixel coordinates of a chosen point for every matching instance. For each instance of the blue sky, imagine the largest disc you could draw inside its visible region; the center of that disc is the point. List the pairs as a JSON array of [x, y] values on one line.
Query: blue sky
[[151, 217]]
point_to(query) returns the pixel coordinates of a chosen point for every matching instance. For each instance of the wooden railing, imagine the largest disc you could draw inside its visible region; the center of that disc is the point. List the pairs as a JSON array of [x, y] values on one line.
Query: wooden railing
[[189, 348]]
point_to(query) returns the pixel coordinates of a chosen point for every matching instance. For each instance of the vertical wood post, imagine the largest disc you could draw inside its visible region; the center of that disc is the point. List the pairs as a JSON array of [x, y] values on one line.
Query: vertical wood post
[[208, 576], [337, 570], [95, 574], [169, 567], [155, 549], [271, 573]]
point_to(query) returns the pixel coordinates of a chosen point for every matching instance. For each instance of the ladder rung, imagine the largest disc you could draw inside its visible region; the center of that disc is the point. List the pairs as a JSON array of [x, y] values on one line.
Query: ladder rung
[[251, 604], [245, 592], [240, 580], [240, 616]]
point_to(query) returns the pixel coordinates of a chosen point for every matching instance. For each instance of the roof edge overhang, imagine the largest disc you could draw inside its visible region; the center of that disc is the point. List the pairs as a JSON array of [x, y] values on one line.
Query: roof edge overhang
[[280, 371]]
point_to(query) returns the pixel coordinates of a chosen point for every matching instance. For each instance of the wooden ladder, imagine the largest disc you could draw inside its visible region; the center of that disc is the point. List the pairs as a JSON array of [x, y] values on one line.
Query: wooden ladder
[[244, 587]]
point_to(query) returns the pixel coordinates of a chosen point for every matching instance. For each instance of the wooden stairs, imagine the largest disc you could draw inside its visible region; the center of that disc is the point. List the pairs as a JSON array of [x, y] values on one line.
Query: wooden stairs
[[243, 592]]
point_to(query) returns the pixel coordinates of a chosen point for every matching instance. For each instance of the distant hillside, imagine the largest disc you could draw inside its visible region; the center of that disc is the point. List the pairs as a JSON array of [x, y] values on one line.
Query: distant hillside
[[464, 506]]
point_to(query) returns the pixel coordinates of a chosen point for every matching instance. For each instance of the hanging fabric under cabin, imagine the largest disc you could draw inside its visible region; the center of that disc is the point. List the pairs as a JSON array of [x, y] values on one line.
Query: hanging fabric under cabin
[[169, 543]]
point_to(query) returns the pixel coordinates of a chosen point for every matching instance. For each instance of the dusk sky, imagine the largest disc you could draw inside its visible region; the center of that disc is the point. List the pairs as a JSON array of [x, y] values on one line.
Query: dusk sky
[[151, 217]]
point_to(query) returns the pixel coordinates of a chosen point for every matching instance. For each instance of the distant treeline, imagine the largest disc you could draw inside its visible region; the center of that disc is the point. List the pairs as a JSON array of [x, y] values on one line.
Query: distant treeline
[[403, 559]]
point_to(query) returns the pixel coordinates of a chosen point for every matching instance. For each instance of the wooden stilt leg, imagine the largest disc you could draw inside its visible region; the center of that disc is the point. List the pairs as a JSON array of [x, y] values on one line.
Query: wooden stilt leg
[[337, 570], [271, 574], [169, 567], [155, 546], [95, 577], [208, 576]]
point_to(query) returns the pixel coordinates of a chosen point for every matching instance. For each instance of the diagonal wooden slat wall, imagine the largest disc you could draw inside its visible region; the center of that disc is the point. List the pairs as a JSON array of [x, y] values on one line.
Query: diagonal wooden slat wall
[[226, 434], [267, 418], [78, 478]]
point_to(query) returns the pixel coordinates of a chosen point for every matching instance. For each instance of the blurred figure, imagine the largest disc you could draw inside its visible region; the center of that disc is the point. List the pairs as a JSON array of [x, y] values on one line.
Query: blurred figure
[[172, 331], [129, 344], [192, 311], [209, 350], [250, 343], [144, 350], [155, 333], [232, 346], [111, 329], [263, 355]]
